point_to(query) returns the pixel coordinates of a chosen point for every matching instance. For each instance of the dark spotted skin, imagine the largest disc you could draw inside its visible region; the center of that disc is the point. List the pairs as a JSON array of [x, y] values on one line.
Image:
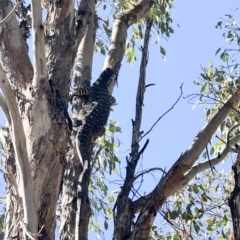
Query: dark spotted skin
[[85, 91], [94, 114]]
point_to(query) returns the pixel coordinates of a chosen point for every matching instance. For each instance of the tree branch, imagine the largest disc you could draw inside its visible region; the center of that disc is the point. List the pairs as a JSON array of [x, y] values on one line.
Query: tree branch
[[82, 18], [39, 59], [200, 167], [204, 166], [5, 109], [119, 34], [64, 30], [230, 131], [180, 167], [148, 171], [18, 71], [76, 220], [123, 215], [14, 212], [84, 59], [11, 13], [19, 143]]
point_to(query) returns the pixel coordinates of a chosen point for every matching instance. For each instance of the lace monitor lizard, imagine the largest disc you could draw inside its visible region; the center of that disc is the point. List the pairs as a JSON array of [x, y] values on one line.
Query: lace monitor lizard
[[94, 114]]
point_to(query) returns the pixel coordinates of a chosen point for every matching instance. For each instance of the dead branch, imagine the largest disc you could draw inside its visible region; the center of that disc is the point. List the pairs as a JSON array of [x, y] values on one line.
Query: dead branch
[[122, 209]]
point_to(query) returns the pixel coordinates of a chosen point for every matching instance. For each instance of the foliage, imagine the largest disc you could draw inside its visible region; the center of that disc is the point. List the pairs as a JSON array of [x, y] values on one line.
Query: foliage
[[105, 164], [161, 15], [218, 83], [2, 217], [199, 211]]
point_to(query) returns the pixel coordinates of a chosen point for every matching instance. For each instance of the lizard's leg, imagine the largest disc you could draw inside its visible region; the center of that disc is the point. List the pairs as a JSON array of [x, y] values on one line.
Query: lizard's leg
[[112, 100]]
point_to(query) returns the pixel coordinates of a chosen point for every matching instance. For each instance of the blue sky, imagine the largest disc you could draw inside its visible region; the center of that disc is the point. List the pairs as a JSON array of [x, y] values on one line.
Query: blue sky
[[192, 45]]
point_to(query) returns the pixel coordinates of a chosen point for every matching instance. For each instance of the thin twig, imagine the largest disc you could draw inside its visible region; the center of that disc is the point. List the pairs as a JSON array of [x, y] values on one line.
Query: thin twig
[[6, 19], [163, 114], [148, 171]]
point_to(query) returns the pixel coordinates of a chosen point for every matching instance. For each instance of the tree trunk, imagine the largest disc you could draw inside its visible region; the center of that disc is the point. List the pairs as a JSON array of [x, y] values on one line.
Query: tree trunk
[[234, 200], [39, 142]]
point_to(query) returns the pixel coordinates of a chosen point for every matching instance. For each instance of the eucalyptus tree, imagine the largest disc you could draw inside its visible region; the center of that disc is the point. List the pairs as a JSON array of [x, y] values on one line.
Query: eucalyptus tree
[[39, 142]]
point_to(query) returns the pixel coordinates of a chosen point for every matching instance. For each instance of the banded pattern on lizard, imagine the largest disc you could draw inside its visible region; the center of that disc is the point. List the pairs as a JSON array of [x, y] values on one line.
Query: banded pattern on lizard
[[85, 91], [94, 114]]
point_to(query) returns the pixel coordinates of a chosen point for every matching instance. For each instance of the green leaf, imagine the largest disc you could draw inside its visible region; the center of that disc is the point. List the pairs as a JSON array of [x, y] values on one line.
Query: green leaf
[[209, 73], [208, 113], [233, 118], [203, 88], [203, 76], [102, 50], [224, 56], [212, 150], [106, 224], [196, 83], [196, 226], [222, 126], [174, 215], [195, 188], [210, 63], [163, 52], [219, 25], [218, 51], [204, 197]]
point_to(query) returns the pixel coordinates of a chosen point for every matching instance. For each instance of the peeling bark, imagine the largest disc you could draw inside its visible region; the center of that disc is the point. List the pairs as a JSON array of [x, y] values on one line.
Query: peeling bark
[[38, 145], [74, 221], [14, 213]]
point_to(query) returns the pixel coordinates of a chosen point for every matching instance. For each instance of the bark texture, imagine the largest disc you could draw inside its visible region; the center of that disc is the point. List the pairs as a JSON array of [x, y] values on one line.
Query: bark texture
[[37, 102], [234, 200], [74, 213], [39, 141]]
